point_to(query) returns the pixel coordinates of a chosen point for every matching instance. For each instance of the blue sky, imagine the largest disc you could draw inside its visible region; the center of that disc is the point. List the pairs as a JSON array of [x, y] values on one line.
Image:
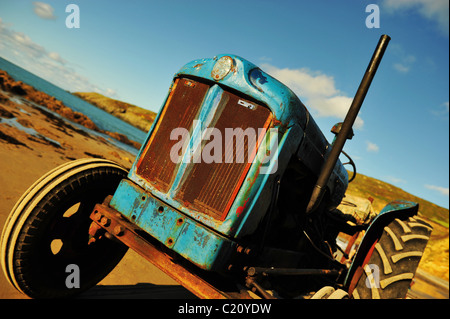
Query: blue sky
[[129, 50]]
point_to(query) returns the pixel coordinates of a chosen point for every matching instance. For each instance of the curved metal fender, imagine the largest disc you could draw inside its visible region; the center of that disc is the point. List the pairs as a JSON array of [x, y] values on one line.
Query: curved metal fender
[[393, 210]]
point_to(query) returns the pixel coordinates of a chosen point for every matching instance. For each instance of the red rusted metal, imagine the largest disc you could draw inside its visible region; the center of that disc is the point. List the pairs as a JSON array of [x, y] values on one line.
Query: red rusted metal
[[349, 246], [359, 271], [292, 271], [252, 284], [181, 108], [224, 179], [94, 231], [129, 234]]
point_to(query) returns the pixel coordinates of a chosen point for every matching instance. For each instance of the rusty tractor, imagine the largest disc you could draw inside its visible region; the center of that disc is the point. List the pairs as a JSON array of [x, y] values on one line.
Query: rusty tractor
[[235, 193]]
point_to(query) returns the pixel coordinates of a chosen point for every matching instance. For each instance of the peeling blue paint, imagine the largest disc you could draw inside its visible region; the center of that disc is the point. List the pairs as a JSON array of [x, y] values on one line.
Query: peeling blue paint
[[203, 247]]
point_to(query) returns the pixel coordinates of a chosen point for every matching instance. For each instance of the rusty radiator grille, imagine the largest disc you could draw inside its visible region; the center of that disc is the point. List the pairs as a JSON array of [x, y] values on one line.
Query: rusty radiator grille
[[180, 110], [204, 186], [212, 187]]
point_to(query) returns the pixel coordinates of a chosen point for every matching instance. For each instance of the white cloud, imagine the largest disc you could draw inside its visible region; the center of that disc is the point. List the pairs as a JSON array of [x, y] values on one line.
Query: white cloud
[[406, 61], [372, 147], [56, 57], [434, 10], [441, 111], [110, 93], [401, 68], [44, 10], [395, 180], [317, 90], [442, 190], [22, 50]]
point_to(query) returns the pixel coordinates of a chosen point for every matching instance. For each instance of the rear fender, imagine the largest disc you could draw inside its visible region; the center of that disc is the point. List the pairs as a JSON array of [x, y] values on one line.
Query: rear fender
[[396, 209]]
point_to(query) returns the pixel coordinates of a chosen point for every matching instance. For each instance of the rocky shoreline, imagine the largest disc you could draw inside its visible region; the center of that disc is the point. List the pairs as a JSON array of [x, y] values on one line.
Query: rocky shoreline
[[132, 114], [8, 84]]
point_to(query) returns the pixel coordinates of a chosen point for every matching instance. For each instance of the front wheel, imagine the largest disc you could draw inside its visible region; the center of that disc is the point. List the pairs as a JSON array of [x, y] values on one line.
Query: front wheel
[[45, 239]]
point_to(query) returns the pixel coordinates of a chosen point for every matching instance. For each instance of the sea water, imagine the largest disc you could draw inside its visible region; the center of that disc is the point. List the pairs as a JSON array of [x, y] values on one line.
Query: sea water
[[102, 119]]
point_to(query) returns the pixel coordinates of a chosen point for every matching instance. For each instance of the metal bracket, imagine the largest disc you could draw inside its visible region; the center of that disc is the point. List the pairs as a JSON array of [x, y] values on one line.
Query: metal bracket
[[130, 234]]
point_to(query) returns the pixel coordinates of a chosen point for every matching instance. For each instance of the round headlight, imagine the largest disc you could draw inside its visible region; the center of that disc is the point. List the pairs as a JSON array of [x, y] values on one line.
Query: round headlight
[[222, 68]]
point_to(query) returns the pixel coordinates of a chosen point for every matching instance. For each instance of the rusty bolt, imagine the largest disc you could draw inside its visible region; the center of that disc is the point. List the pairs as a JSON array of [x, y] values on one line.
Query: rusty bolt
[[93, 229], [251, 271], [118, 230], [97, 216], [108, 235], [105, 221], [241, 249]]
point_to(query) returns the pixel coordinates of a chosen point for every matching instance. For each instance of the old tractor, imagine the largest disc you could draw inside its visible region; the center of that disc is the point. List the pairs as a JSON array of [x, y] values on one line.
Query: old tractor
[[235, 193]]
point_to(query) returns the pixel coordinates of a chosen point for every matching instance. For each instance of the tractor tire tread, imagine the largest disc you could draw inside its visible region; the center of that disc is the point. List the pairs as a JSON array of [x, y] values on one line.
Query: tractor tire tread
[[394, 261]]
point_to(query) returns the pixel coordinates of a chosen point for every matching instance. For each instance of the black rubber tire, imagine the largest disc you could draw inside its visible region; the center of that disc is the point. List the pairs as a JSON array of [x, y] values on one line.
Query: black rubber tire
[[44, 215], [394, 260]]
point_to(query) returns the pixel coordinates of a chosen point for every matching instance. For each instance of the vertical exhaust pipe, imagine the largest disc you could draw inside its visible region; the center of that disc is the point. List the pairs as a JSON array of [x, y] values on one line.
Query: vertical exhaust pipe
[[338, 145]]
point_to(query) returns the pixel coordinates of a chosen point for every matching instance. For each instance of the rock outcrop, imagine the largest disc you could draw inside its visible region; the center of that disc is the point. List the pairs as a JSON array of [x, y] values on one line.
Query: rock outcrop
[[8, 84], [132, 114]]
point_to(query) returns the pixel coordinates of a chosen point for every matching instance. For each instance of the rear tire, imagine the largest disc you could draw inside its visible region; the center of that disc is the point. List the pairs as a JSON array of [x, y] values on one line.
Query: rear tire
[[47, 231], [394, 260]]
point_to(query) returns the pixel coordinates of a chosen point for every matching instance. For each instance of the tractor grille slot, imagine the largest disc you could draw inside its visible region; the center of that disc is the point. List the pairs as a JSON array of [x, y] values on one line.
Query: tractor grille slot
[[209, 183], [180, 110]]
